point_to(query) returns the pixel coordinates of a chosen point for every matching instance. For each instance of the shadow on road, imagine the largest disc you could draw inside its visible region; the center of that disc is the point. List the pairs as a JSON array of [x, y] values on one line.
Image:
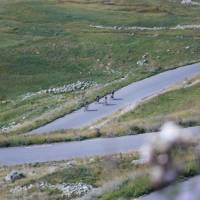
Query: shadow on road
[[110, 104], [118, 99], [92, 110]]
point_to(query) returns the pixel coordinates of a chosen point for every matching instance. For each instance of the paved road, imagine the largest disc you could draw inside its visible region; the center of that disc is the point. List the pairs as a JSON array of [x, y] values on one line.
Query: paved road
[[173, 191], [80, 149], [130, 94]]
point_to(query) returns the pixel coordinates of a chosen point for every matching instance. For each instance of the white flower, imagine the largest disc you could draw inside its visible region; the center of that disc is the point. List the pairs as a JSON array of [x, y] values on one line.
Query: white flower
[[157, 174], [170, 132], [186, 2], [146, 153]]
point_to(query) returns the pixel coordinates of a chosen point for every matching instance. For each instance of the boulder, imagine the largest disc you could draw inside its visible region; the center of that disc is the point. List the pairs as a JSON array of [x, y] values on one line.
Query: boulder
[[14, 175], [71, 163]]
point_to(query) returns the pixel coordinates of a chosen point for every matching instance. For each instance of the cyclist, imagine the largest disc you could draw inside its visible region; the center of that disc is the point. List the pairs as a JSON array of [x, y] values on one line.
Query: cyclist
[[98, 99], [106, 100], [86, 106], [112, 94]]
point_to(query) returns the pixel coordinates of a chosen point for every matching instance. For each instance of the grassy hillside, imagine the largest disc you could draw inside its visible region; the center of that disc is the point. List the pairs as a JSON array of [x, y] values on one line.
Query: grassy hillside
[[181, 106], [51, 43]]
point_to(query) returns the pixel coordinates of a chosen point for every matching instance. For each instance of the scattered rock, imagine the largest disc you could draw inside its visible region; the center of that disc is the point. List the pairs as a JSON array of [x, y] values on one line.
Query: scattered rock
[[187, 47], [184, 27], [178, 27], [42, 185], [12, 123], [126, 28], [14, 175], [92, 160], [142, 62], [20, 189], [71, 163], [79, 85], [155, 35], [8, 127], [4, 102], [145, 56], [139, 162], [69, 190], [186, 2], [73, 190]]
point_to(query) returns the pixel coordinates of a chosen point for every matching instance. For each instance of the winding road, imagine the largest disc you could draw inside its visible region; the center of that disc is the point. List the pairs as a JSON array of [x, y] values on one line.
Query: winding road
[[79, 149], [129, 95]]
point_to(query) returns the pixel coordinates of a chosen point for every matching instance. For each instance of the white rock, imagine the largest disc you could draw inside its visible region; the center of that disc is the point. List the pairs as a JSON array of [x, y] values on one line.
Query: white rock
[[142, 62], [72, 190], [139, 161], [146, 153], [186, 2], [71, 163]]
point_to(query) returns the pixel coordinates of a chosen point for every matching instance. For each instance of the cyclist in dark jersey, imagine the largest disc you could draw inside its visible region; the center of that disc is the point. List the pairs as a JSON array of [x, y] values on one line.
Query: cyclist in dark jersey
[[97, 99], [112, 94], [106, 100], [86, 106]]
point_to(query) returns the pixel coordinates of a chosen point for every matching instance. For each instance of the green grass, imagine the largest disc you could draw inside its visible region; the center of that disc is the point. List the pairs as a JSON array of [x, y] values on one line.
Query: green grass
[[74, 175], [130, 189], [95, 172], [25, 140], [141, 184], [49, 43], [185, 99]]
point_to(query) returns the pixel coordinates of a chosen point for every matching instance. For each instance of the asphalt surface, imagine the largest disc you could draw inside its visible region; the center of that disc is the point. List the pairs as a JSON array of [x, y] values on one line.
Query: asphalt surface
[[124, 97], [189, 187], [79, 149]]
